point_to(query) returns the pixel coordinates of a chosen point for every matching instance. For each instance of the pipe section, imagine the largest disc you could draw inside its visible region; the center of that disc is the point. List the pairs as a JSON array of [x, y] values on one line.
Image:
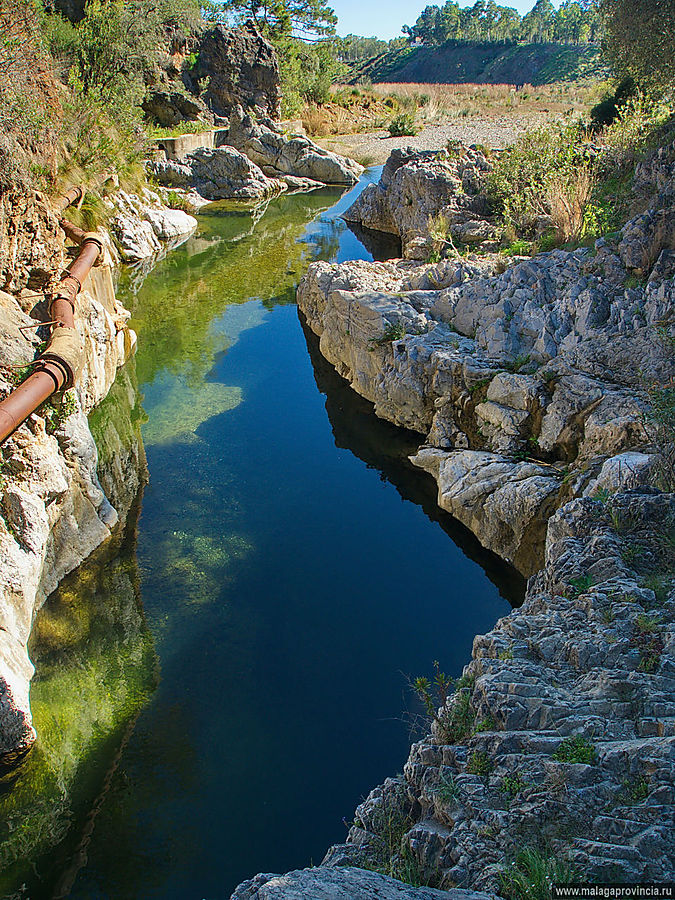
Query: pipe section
[[59, 366]]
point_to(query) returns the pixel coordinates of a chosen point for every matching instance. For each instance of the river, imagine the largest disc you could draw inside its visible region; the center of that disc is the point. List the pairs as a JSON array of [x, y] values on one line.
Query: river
[[218, 688]]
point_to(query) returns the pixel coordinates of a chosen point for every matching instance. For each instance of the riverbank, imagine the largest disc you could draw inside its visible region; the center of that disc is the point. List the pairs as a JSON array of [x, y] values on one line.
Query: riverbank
[[554, 757]]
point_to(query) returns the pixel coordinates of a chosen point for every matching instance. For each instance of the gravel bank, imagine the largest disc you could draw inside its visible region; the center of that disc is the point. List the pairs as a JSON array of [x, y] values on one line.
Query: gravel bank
[[374, 148]]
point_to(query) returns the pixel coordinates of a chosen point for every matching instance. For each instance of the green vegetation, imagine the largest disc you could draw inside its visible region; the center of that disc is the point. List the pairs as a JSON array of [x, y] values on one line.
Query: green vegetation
[[574, 21], [447, 704], [555, 172], [96, 669], [483, 63], [479, 763], [531, 874], [648, 640], [639, 41], [447, 790], [577, 749], [633, 791], [403, 124], [57, 135], [512, 785], [393, 331], [389, 854]]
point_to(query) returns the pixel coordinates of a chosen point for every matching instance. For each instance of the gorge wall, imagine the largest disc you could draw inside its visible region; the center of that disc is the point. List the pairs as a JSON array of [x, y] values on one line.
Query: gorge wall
[[55, 511]]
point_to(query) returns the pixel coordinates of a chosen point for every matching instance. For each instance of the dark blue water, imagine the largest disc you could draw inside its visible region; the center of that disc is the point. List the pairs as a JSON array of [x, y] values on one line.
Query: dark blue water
[[294, 572]]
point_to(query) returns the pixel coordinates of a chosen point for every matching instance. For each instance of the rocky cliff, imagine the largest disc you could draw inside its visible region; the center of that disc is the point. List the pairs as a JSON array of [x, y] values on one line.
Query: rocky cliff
[[560, 737], [524, 384], [54, 510]]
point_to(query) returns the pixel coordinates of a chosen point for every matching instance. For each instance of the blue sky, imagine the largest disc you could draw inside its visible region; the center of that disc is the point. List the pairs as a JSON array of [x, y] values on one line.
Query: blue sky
[[384, 18]]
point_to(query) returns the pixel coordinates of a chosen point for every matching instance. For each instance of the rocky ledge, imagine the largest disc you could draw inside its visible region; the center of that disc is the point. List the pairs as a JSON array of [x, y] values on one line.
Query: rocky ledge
[[421, 190], [54, 512], [349, 883], [255, 160], [530, 387]]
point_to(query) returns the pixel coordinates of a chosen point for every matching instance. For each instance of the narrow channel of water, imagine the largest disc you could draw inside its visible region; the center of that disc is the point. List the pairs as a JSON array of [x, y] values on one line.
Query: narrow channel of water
[[289, 570]]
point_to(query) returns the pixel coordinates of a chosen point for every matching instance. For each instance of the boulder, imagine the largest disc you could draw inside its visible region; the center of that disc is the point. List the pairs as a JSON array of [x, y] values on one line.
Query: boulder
[[241, 67], [167, 107], [427, 199], [505, 503], [222, 173], [141, 224], [278, 155]]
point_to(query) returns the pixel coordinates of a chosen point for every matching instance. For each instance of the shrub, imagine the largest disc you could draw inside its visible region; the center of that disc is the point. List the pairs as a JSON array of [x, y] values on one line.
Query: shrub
[[568, 197], [577, 749], [479, 763], [401, 125]]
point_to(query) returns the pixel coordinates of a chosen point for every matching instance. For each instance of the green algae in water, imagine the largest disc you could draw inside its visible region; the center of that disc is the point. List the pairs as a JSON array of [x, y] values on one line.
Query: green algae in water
[[234, 258], [95, 670], [182, 408]]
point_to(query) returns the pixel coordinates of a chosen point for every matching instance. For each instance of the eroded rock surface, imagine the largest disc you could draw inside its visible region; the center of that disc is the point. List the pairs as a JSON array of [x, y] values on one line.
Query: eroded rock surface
[[323, 883], [142, 225], [525, 384], [54, 511], [265, 145], [222, 173], [421, 192], [242, 68]]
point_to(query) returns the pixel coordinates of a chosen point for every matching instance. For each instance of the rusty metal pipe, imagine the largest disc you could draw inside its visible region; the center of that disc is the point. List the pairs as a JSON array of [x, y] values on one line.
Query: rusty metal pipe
[[74, 195], [58, 366], [76, 234]]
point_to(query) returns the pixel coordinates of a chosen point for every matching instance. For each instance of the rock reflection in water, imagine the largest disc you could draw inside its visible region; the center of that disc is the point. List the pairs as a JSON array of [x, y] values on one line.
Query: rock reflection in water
[[386, 447]]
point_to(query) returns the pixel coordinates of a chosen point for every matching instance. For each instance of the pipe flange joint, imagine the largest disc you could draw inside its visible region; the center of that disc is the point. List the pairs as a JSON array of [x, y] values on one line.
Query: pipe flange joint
[[64, 368], [93, 237]]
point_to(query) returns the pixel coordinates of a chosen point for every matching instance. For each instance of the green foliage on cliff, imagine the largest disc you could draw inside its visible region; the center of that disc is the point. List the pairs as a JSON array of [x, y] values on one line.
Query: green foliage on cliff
[[640, 41]]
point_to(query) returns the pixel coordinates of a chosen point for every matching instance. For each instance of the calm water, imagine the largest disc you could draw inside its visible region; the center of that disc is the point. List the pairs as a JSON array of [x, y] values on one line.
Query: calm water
[[289, 570]]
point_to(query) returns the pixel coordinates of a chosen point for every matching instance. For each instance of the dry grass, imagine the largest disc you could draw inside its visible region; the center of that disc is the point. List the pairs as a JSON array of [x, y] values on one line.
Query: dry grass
[[442, 102], [567, 200]]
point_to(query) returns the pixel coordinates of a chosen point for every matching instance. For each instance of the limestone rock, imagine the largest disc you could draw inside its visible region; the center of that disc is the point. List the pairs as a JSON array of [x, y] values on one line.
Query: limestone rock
[[420, 194], [535, 365], [568, 708], [54, 512], [242, 68], [278, 155], [324, 883], [507, 504], [169, 107], [219, 174], [142, 224]]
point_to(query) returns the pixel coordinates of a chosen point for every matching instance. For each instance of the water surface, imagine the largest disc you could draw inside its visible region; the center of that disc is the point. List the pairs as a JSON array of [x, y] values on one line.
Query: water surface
[[294, 569]]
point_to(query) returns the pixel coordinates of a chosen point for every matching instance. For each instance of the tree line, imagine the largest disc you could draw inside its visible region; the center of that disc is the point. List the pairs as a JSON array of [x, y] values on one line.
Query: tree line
[[575, 22]]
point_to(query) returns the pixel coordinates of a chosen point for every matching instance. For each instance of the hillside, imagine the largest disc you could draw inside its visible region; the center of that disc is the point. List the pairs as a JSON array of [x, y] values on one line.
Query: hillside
[[469, 62]]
